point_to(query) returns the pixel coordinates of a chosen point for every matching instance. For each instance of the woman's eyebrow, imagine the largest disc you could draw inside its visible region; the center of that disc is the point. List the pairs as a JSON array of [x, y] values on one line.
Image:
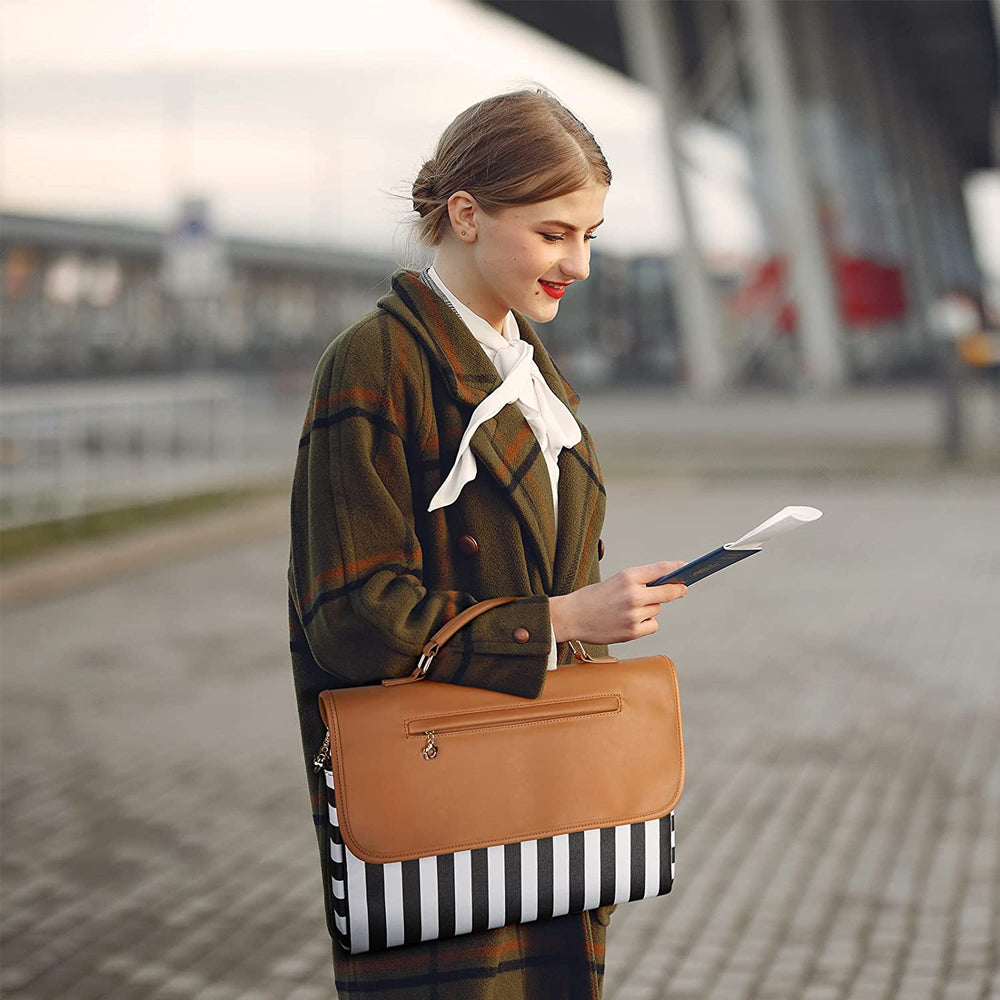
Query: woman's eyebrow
[[566, 225]]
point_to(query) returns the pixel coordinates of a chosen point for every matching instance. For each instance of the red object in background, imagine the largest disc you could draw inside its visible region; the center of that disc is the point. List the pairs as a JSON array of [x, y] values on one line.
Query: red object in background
[[868, 293]]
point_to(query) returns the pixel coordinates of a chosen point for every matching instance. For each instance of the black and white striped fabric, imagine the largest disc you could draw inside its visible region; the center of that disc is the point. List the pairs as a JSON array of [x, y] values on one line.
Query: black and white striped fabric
[[404, 902]]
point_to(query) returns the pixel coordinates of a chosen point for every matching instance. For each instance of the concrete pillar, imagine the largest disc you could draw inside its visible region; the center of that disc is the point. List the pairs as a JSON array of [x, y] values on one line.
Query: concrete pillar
[[651, 59], [879, 79], [812, 282]]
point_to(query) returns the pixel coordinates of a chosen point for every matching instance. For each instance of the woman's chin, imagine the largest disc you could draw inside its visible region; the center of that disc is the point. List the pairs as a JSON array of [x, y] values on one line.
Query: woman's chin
[[542, 312]]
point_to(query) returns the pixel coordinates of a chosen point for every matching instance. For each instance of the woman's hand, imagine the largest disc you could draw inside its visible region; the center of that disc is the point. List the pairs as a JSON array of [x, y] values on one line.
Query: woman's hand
[[617, 609]]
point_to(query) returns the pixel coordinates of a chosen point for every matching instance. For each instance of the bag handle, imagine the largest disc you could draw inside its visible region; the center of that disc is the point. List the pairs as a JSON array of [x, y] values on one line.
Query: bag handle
[[433, 645]]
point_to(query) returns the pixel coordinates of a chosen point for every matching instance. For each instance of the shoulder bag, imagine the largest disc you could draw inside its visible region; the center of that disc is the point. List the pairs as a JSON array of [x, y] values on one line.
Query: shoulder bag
[[454, 809]]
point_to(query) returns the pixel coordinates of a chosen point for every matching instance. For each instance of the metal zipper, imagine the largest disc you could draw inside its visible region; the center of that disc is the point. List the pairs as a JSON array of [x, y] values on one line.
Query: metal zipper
[[484, 720], [492, 719], [323, 757]]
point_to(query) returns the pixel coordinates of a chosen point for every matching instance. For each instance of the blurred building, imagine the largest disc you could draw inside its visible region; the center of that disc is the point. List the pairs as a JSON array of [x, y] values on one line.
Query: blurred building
[[86, 299], [861, 119], [82, 299]]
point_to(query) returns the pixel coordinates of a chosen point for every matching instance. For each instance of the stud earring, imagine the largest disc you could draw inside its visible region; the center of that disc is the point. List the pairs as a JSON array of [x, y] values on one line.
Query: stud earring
[[464, 233]]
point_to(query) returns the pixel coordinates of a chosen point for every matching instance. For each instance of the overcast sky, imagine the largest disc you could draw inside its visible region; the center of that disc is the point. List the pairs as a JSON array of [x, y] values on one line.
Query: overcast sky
[[300, 120]]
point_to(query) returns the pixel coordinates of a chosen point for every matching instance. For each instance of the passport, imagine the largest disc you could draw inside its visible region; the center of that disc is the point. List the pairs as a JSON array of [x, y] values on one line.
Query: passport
[[732, 552]]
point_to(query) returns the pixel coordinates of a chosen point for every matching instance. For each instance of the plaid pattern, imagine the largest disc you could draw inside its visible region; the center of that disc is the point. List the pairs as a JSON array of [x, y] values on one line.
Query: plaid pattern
[[372, 575]]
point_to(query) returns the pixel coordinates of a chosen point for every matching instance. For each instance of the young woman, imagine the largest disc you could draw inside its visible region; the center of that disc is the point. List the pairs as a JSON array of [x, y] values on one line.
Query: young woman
[[442, 463]]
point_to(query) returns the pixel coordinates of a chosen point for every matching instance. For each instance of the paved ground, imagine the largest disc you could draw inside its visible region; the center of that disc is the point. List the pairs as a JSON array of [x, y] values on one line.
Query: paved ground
[[839, 836]]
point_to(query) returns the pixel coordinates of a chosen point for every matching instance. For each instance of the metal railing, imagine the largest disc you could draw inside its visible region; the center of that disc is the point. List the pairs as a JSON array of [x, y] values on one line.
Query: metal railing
[[67, 450]]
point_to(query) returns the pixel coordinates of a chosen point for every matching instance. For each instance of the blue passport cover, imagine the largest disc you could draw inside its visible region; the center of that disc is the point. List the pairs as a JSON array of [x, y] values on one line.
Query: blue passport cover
[[704, 566]]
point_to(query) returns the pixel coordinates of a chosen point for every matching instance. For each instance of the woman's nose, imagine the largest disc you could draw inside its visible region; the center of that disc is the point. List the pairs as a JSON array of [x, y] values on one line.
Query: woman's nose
[[576, 262]]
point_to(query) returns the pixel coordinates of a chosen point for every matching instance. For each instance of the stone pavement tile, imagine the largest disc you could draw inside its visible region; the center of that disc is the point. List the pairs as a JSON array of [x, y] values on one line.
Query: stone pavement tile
[[181, 984], [871, 991], [778, 982], [249, 993], [787, 970], [635, 991], [972, 966], [690, 983], [918, 987], [821, 991], [218, 991], [17, 978], [307, 992], [648, 975], [733, 982], [97, 987], [916, 969], [745, 960], [778, 990], [306, 958], [58, 979], [875, 979], [126, 992], [644, 974], [963, 991]]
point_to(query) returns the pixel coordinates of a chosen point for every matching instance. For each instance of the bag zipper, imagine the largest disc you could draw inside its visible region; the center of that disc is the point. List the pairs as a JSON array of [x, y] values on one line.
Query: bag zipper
[[520, 715], [323, 757]]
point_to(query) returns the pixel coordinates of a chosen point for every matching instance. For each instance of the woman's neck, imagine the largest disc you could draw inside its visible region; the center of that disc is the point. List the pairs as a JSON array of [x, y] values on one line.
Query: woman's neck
[[453, 266]]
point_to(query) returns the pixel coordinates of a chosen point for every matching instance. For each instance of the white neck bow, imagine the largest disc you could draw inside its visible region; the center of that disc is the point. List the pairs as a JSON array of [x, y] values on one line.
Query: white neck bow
[[553, 424]]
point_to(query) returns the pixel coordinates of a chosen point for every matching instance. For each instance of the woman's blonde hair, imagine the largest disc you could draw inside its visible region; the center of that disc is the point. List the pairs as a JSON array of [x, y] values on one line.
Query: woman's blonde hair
[[513, 149]]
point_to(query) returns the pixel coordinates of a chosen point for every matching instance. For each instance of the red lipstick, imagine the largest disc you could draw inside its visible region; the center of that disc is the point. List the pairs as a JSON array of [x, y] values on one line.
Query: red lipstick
[[553, 288]]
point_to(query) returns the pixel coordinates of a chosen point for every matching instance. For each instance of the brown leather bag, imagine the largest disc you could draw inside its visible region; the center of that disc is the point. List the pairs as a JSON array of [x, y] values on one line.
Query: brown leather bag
[[456, 808]]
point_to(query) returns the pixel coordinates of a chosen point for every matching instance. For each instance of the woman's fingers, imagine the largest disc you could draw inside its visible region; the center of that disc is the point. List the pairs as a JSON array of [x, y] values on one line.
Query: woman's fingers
[[650, 597], [653, 571], [666, 592], [648, 627]]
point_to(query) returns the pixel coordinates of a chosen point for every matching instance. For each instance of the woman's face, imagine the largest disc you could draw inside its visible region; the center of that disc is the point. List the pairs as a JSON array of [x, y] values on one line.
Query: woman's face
[[526, 257]]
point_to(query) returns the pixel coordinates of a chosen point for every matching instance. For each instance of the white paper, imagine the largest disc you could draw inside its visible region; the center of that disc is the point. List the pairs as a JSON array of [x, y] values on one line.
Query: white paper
[[785, 520]]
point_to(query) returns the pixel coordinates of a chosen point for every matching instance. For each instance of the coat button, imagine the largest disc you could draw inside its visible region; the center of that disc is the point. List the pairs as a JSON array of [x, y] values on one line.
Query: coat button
[[468, 545], [600, 548], [521, 635]]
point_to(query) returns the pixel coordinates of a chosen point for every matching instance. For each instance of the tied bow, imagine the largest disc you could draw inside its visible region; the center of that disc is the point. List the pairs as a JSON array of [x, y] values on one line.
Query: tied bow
[[553, 424]]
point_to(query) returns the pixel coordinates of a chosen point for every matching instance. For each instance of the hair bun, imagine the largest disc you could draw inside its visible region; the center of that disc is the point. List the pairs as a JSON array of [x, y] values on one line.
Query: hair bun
[[423, 188]]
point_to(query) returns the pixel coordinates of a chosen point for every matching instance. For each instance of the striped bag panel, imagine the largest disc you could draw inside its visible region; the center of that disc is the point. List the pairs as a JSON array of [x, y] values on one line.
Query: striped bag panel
[[405, 902]]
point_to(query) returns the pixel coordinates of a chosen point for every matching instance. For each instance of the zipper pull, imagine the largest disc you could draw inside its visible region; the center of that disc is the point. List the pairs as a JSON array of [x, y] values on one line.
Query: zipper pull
[[430, 751], [323, 757]]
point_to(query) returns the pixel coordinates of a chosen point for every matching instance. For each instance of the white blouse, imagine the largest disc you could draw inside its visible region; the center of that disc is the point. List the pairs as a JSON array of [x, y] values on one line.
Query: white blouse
[[554, 426]]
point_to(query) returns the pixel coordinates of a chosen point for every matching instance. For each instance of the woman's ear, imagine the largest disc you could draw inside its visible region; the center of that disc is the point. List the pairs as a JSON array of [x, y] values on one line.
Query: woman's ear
[[463, 210]]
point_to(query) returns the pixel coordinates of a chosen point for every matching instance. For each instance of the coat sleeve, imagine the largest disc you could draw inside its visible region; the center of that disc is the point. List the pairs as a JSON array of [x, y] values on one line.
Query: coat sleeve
[[356, 568]]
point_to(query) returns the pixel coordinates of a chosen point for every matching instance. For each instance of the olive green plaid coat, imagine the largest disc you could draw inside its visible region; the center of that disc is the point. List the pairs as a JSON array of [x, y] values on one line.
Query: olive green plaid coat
[[372, 575]]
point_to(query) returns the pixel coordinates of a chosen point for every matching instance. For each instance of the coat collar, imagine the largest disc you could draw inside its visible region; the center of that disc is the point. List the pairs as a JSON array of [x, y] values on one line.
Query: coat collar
[[468, 373], [470, 376]]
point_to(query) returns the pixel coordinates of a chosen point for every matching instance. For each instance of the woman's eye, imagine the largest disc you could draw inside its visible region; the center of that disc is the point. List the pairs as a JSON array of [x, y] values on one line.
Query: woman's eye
[[555, 237]]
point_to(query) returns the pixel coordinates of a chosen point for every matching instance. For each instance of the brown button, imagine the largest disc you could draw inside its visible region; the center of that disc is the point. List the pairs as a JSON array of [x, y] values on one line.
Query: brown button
[[521, 635], [600, 548], [468, 545]]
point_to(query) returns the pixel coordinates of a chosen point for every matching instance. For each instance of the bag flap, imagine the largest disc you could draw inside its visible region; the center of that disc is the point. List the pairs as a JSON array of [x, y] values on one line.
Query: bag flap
[[601, 746]]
